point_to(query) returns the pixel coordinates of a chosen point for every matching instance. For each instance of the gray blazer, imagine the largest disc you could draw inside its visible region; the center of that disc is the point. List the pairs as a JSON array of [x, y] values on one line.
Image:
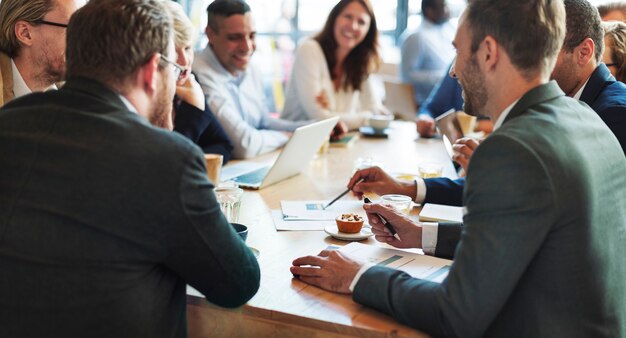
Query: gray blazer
[[542, 250]]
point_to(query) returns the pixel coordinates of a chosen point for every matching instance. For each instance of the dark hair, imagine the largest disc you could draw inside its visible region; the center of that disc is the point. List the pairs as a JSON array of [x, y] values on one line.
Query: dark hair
[[531, 31], [361, 60], [109, 40], [610, 7], [583, 21], [428, 4], [224, 8]]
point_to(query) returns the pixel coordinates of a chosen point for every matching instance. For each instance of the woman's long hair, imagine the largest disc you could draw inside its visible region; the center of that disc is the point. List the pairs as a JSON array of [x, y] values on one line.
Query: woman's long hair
[[363, 59]]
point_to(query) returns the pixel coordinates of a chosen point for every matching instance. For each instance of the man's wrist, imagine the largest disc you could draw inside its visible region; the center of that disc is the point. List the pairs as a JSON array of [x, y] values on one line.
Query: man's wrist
[[409, 189]]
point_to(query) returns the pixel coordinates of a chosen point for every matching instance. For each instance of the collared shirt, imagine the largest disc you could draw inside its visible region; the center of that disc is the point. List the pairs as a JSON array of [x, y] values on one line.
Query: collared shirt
[[239, 104], [425, 56], [579, 93], [128, 104], [19, 85]]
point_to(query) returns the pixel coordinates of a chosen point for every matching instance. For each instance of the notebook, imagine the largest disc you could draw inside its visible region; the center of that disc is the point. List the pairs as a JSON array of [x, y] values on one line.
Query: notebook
[[293, 158], [440, 213]]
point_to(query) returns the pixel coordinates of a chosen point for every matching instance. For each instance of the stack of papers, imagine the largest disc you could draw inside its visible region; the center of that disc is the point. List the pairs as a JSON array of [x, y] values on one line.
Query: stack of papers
[[419, 266], [310, 215], [441, 213]]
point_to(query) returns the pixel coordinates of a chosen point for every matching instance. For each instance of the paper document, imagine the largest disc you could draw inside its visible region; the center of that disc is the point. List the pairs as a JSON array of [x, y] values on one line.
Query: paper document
[[295, 225], [312, 210], [419, 266], [441, 213]]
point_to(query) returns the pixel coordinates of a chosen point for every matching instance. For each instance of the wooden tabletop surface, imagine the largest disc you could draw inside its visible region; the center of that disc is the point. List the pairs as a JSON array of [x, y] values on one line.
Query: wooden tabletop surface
[[284, 306]]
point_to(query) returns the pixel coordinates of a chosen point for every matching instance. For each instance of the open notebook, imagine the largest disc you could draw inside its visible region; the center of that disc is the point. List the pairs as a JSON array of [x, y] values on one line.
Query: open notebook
[[293, 158]]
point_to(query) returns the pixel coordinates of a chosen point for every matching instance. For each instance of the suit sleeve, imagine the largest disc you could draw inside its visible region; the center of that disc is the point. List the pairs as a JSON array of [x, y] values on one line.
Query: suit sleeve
[[443, 190], [205, 251], [506, 223]]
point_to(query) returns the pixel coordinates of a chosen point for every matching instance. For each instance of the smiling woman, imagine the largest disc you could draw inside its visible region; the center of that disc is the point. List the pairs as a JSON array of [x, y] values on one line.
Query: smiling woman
[[331, 71]]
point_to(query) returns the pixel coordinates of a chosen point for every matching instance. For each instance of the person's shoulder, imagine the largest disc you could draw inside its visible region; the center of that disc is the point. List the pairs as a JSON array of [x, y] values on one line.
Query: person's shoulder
[[613, 96]]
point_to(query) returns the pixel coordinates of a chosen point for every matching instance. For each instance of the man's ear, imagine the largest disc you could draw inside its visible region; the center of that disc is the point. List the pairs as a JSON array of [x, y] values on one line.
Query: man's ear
[[210, 33], [149, 73], [585, 52], [489, 53], [23, 32]]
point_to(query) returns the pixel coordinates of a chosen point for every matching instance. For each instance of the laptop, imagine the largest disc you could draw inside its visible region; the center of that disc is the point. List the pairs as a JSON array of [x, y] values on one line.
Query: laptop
[[293, 158], [400, 99]]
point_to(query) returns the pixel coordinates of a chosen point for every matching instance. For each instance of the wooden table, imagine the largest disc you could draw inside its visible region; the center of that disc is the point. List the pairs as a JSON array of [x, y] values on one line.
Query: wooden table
[[284, 306]]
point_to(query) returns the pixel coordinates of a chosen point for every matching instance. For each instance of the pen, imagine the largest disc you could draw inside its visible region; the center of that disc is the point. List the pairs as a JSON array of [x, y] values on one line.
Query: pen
[[340, 196], [385, 223]]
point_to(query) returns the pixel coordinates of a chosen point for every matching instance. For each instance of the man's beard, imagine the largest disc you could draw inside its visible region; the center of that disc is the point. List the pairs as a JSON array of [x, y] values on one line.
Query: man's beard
[[474, 92], [53, 68], [161, 110]]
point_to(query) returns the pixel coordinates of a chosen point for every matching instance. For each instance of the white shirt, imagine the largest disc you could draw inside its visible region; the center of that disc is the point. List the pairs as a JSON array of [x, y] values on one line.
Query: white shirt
[[310, 77], [239, 104], [426, 55], [19, 85]]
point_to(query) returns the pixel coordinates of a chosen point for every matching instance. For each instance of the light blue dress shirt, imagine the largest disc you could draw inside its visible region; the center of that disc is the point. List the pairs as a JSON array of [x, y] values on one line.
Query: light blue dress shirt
[[239, 104]]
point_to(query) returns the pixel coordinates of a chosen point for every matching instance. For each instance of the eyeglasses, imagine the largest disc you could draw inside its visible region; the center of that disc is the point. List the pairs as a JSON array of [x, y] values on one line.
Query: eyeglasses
[[178, 69], [50, 23], [611, 64]]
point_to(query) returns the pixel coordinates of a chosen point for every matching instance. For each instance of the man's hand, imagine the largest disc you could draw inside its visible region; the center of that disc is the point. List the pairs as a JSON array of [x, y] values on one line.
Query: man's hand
[[410, 233], [425, 125], [463, 150], [330, 270], [377, 181]]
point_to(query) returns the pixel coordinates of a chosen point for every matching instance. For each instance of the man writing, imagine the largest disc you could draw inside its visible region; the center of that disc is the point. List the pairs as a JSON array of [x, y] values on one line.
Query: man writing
[[578, 72], [104, 218], [542, 222], [32, 45]]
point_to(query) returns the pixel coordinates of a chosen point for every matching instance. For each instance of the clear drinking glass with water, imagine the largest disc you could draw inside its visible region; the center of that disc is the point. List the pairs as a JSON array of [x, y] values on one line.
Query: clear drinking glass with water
[[229, 199]]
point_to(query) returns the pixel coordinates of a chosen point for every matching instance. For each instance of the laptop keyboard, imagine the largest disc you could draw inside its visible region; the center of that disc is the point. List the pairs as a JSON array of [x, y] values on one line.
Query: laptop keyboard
[[254, 176]]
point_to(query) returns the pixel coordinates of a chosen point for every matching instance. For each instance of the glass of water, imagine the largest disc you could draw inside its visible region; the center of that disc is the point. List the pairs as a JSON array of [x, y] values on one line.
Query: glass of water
[[229, 199]]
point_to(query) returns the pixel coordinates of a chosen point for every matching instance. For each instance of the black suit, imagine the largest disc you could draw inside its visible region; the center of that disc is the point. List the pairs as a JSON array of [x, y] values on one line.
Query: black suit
[[104, 219]]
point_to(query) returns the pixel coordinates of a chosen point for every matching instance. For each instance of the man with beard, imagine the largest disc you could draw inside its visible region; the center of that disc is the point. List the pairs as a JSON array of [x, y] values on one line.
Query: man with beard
[[104, 219], [541, 253], [578, 72], [32, 45]]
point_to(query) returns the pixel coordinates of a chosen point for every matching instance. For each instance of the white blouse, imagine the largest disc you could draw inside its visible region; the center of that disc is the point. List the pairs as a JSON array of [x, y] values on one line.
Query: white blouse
[[310, 77]]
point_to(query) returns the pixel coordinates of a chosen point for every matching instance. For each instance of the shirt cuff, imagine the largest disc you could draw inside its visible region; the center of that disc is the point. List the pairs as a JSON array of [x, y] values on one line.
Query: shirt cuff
[[420, 194], [358, 275], [429, 237]]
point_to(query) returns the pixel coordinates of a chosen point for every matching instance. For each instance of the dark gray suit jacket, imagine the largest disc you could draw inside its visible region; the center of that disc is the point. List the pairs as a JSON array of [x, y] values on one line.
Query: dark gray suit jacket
[[104, 219], [542, 250]]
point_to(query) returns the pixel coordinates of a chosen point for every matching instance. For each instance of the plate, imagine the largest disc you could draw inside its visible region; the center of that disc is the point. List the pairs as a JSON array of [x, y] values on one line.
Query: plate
[[256, 252], [359, 236], [371, 132]]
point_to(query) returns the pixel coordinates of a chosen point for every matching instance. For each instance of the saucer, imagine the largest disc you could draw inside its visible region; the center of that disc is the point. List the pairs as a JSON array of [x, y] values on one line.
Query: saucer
[[256, 252], [371, 132], [333, 231]]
